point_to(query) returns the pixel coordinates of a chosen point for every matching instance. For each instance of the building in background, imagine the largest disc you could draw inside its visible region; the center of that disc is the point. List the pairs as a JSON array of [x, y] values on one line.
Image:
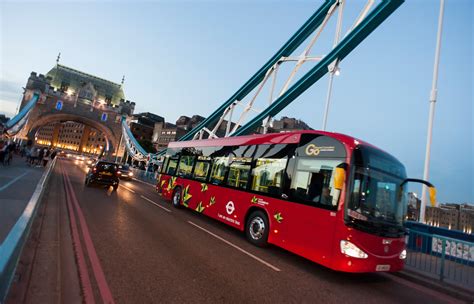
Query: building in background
[[71, 136], [451, 216], [143, 124], [288, 124]]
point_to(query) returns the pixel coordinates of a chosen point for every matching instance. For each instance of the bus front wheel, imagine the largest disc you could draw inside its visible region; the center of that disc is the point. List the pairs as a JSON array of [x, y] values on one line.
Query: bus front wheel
[[256, 228], [176, 200]]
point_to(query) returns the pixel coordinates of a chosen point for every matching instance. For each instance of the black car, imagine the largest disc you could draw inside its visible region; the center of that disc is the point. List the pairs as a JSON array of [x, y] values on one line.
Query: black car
[[125, 172], [103, 173]]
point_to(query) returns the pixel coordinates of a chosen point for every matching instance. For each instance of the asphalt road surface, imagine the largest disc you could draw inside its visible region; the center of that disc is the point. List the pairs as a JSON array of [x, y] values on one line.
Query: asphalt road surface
[[142, 250]]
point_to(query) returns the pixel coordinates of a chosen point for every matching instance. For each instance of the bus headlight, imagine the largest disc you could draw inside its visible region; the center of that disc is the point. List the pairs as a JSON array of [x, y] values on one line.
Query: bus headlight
[[403, 254], [352, 250]]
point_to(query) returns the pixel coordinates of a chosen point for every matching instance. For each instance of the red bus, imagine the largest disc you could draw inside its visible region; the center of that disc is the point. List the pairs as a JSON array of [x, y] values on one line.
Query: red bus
[[328, 197]]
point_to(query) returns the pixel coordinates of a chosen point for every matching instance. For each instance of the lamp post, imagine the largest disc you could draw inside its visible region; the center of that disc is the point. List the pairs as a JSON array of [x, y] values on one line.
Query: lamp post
[[433, 97]]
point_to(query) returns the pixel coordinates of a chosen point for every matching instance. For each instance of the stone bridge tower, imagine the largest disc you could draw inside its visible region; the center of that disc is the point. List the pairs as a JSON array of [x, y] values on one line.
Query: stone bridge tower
[[67, 94]]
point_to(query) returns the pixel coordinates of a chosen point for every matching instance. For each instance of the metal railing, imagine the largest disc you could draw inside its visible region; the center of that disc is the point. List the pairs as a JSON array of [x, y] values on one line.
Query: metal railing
[[144, 175], [446, 259], [12, 246]]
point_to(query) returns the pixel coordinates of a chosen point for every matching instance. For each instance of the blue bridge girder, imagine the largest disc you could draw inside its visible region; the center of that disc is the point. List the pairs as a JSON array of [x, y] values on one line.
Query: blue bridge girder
[[378, 15], [17, 122]]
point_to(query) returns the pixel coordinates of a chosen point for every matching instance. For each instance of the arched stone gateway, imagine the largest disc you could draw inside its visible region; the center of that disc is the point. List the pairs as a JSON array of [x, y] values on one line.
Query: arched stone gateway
[[112, 138], [67, 94]]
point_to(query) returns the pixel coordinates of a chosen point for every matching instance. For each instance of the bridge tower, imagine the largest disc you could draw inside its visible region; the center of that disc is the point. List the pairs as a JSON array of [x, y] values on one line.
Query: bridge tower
[[67, 94]]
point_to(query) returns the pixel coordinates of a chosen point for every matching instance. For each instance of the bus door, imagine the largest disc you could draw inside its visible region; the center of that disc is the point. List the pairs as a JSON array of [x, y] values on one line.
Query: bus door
[[314, 189]]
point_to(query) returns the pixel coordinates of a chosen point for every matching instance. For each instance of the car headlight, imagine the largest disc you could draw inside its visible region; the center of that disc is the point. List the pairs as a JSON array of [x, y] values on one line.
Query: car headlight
[[352, 250], [403, 254], [130, 174]]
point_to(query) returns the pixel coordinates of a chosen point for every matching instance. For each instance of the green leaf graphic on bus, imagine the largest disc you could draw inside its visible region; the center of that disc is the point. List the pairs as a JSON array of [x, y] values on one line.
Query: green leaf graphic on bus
[[203, 187], [278, 217], [200, 207], [186, 196], [254, 200], [171, 183], [212, 201]]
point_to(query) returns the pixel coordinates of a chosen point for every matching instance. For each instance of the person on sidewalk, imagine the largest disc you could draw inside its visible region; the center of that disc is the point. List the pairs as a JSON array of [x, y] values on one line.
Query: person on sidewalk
[[45, 156], [3, 146]]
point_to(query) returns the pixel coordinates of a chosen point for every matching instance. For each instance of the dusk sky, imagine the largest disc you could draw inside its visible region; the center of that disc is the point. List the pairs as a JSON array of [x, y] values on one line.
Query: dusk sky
[[188, 57]]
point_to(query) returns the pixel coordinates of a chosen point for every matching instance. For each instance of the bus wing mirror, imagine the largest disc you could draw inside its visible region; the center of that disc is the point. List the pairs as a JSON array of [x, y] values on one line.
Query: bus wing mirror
[[432, 191], [339, 178], [431, 188]]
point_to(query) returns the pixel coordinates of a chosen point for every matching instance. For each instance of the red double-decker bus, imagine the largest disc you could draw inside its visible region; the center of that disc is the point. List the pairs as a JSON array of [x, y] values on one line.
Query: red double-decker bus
[[328, 197]]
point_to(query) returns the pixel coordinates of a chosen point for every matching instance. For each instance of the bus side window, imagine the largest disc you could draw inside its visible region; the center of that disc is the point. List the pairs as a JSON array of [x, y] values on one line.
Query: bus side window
[[239, 173], [268, 175], [165, 164], [220, 166], [185, 167], [172, 164], [201, 169], [312, 182]]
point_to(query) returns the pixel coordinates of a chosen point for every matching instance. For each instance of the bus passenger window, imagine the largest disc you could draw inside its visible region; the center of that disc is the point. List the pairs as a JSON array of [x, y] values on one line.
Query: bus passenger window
[[313, 182], [268, 175], [165, 163], [172, 164], [239, 173], [203, 164], [219, 170], [185, 166]]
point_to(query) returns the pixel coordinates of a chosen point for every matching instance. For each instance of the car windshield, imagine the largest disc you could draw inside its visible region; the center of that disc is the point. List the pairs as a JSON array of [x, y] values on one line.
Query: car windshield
[[377, 201], [124, 167], [106, 167]]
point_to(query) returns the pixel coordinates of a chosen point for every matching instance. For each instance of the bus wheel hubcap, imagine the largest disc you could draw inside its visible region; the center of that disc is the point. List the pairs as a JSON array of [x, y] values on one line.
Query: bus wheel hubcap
[[257, 228], [176, 198]]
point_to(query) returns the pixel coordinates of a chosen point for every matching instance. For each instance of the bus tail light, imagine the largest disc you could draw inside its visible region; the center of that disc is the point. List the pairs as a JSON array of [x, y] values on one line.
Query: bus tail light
[[403, 254], [352, 250]]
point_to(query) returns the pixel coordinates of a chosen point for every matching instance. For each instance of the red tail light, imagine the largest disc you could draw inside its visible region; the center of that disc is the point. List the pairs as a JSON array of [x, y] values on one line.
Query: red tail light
[[94, 170]]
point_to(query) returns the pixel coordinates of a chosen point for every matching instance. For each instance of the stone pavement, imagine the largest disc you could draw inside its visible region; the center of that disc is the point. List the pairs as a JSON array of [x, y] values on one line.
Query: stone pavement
[[17, 184]]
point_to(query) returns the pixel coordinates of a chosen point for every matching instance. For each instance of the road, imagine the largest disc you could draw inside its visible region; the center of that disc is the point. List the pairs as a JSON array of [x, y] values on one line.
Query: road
[[141, 250]]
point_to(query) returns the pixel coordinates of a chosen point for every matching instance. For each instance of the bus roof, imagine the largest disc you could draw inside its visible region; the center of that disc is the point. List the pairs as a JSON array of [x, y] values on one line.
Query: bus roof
[[261, 139]]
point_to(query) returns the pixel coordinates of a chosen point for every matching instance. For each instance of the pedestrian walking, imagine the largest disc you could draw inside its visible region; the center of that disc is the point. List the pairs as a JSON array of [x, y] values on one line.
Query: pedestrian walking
[[45, 157], [3, 147], [10, 150]]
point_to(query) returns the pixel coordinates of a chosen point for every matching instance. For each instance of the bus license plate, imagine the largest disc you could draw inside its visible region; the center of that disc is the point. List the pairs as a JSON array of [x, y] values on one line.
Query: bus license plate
[[382, 268]]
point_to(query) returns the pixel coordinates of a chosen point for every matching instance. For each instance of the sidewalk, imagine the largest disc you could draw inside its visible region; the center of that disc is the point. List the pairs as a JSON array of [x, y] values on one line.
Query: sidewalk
[[456, 273], [17, 184]]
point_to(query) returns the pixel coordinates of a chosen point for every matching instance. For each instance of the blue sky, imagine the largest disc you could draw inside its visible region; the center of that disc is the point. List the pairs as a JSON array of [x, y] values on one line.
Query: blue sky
[[185, 58]]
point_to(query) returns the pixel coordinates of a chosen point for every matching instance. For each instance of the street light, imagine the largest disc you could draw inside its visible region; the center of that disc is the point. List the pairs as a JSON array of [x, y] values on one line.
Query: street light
[[433, 97]]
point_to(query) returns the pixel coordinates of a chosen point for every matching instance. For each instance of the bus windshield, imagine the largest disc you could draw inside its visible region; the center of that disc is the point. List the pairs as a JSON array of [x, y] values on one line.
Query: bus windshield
[[377, 202]]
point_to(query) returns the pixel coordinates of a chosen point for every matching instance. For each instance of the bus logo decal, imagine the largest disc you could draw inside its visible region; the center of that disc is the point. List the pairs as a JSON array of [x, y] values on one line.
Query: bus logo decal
[[313, 150], [230, 208]]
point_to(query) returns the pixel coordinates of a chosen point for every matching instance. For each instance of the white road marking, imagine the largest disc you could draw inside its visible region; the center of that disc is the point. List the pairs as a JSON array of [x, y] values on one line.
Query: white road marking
[[236, 247], [131, 190], [157, 205], [136, 179]]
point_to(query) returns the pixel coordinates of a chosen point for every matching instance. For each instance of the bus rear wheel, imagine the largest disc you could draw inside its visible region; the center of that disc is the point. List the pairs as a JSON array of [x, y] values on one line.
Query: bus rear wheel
[[176, 200], [256, 228]]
